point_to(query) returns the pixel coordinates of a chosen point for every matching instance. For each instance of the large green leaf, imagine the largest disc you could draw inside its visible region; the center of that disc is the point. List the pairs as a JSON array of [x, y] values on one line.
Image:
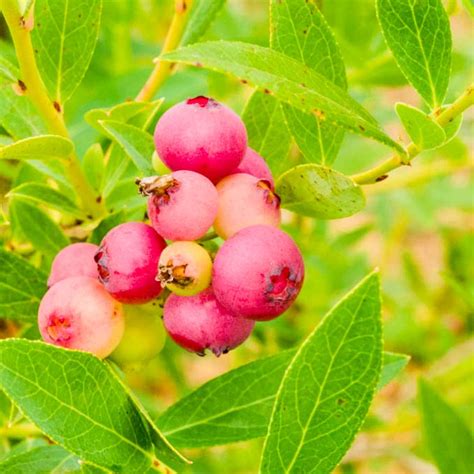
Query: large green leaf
[[287, 79], [43, 194], [43, 459], [418, 33], [328, 387], [202, 14], [37, 227], [93, 165], [299, 30], [44, 147], [64, 39], [448, 438], [21, 288], [136, 143], [237, 405], [317, 191], [80, 403], [421, 128], [267, 131]]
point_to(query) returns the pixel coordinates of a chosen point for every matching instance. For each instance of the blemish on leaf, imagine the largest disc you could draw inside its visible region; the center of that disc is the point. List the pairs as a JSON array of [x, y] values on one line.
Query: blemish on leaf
[[381, 178], [267, 91], [57, 106], [21, 85], [362, 129]]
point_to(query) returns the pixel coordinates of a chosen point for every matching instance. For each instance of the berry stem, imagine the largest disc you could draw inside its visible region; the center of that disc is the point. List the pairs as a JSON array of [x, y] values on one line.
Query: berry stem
[[33, 87], [379, 172], [162, 69]]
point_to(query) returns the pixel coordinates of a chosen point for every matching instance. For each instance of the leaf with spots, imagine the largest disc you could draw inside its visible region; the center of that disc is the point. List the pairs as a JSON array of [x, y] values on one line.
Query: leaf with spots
[[21, 288], [317, 191], [79, 402], [64, 39], [418, 33], [328, 387], [288, 80], [299, 30]]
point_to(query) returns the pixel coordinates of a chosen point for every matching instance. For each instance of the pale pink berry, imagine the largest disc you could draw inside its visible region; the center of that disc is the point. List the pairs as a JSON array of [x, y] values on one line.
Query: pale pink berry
[[201, 135], [78, 313], [245, 200], [181, 205], [199, 322], [74, 260], [258, 273], [127, 261], [255, 165]]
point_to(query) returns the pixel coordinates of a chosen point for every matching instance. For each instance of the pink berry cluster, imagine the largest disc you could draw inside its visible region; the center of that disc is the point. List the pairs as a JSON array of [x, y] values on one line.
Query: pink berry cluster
[[213, 302]]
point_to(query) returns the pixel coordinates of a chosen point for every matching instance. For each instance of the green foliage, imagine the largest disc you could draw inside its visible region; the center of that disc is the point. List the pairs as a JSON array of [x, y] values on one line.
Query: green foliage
[[237, 406], [64, 39], [300, 31], [327, 389], [448, 438], [317, 191], [38, 148], [419, 36], [421, 128], [267, 131], [287, 79], [21, 288], [95, 417], [41, 459], [43, 194]]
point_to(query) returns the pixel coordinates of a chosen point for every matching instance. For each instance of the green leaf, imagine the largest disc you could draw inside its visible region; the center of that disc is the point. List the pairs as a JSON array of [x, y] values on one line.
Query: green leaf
[[42, 459], [64, 39], [44, 147], [120, 113], [137, 144], [202, 15], [300, 31], [115, 168], [267, 132], [448, 438], [93, 165], [43, 194], [421, 128], [237, 406], [317, 191], [287, 79], [328, 387], [21, 288], [80, 403], [37, 227], [108, 223], [419, 36], [8, 72], [25, 5], [393, 364]]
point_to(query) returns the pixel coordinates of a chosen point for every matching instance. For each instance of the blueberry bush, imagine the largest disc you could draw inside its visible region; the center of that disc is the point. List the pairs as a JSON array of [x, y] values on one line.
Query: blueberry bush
[[283, 187]]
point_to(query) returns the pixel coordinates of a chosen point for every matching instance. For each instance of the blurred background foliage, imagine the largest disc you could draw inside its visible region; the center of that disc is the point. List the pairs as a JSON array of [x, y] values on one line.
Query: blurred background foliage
[[417, 228]]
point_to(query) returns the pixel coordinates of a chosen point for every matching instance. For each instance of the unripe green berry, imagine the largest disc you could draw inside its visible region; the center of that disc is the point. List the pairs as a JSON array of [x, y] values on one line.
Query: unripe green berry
[[185, 268]]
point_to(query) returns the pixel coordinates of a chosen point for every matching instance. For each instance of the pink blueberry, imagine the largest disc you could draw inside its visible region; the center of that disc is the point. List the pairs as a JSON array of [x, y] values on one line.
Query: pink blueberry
[[78, 313], [255, 165], [201, 135], [74, 260], [181, 205], [127, 261], [199, 322], [245, 200], [258, 273]]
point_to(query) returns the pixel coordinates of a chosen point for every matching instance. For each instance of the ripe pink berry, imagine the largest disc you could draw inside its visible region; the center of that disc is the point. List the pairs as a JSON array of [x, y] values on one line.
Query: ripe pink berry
[[245, 200], [201, 135], [255, 165], [128, 261], [258, 273], [78, 313], [182, 205], [199, 322], [74, 260], [185, 268]]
